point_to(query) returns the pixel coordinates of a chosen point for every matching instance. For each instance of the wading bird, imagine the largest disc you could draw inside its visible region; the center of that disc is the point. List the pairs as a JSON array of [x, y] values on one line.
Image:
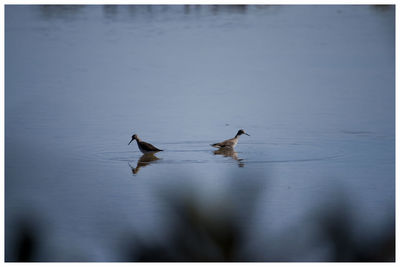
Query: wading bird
[[143, 146], [230, 142]]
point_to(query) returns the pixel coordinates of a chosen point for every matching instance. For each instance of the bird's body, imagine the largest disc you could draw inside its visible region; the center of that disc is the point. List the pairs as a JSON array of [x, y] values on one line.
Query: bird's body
[[227, 143], [230, 143], [144, 147]]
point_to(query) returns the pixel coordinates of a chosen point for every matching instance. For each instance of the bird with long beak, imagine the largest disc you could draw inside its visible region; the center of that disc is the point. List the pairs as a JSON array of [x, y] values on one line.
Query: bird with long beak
[[230, 142], [143, 146]]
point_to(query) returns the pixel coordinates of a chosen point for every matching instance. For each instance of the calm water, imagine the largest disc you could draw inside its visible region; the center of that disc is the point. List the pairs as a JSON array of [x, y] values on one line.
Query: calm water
[[312, 85]]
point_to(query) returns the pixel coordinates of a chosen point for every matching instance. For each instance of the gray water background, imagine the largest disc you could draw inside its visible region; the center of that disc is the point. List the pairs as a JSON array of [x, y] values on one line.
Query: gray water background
[[312, 85]]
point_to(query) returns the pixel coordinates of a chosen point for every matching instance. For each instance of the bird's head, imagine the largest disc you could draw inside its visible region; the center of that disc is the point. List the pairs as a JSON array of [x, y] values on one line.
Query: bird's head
[[133, 138], [241, 131]]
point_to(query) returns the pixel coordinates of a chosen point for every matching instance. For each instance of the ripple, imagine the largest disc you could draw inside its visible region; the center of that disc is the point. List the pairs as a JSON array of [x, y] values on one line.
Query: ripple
[[357, 132], [248, 153]]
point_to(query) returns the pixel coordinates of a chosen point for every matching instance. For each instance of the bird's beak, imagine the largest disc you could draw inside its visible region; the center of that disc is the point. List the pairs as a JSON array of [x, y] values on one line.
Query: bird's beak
[[130, 142], [247, 134]]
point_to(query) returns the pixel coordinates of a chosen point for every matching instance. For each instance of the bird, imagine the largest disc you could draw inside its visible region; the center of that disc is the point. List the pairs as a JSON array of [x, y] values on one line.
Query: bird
[[143, 146], [230, 142]]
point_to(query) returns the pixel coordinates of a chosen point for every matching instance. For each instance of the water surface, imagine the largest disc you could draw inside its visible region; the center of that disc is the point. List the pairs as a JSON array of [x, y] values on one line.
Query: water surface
[[312, 85]]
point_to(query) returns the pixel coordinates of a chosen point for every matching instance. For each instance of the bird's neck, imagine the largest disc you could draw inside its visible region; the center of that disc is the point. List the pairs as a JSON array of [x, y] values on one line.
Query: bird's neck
[[237, 136], [138, 139]]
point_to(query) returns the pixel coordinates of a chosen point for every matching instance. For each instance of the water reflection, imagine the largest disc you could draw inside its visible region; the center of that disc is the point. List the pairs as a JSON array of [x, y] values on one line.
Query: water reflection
[[60, 11], [240, 9], [148, 11], [110, 11], [144, 160], [382, 8], [229, 152], [153, 11]]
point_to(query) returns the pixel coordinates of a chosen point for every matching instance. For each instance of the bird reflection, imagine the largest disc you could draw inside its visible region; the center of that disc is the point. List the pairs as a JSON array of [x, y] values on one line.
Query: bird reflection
[[144, 160], [229, 152]]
